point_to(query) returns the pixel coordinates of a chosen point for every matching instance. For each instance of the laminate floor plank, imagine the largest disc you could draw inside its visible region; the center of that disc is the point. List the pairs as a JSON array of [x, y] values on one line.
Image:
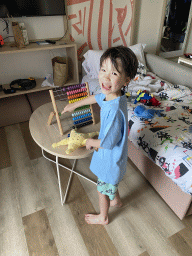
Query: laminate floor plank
[[180, 242], [39, 236], [66, 234], [28, 191], [5, 160], [138, 221], [34, 151], [144, 254], [187, 221], [186, 233], [16, 145], [160, 215], [12, 236]]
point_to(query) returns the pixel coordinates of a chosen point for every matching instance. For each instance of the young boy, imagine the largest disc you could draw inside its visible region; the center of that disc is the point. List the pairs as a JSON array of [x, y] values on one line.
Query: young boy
[[118, 65]]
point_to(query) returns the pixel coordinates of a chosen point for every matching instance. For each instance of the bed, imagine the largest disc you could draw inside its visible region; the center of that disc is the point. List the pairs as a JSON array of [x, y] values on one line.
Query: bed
[[161, 144]]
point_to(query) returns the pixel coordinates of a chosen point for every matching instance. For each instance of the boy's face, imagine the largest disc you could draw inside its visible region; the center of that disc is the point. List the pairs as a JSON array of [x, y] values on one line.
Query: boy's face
[[111, 81]]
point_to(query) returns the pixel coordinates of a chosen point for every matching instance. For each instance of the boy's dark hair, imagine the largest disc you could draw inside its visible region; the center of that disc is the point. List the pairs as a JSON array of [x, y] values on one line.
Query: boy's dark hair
[[128, 59]]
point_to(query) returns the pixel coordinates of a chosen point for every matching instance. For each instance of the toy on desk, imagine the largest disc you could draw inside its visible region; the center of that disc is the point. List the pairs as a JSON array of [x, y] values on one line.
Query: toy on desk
[[81, 116], [146, 98], [75, 140]]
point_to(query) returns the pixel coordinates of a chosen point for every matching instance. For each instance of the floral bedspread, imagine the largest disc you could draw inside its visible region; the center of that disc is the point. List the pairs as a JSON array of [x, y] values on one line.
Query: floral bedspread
[[166, 139]]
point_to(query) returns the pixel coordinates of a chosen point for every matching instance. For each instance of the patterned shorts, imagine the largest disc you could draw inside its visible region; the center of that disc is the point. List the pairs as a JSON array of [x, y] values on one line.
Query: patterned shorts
[[107, 189]]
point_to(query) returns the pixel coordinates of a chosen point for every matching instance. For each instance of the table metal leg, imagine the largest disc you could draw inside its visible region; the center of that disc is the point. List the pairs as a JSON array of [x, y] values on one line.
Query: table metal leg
[[63, 198], [59, 180]]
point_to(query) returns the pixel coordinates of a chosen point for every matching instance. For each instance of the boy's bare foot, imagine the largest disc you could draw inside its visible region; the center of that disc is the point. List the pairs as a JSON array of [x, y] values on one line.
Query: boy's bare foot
[[96, 219], [116, 201]]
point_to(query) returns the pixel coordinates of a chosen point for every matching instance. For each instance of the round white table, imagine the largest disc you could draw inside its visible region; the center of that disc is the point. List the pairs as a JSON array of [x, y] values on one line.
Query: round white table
[[45, 135]]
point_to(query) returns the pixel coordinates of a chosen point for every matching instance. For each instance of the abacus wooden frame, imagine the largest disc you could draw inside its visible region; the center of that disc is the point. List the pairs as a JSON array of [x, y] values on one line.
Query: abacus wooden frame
[[56, 113]]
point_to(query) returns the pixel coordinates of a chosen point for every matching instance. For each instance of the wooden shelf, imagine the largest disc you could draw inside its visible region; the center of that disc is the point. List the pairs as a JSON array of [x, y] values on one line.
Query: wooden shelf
[[37, 88], [71, 53], [10, 49]]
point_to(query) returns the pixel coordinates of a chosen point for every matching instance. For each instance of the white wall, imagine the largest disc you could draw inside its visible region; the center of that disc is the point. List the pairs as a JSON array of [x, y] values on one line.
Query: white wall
[[37, 27], [148, 15], [189, 42]]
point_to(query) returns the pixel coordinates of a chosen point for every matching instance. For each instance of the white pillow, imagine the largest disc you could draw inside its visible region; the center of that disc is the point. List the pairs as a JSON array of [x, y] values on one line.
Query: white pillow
[[94, 86], [138, 49], [91, 64]]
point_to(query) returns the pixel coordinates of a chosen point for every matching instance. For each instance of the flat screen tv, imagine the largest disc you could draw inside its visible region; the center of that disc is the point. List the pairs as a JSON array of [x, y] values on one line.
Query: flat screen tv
[[31, 8]]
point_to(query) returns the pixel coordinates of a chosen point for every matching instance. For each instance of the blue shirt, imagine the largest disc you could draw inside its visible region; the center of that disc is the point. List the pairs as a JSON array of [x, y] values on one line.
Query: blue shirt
[[109, 162]]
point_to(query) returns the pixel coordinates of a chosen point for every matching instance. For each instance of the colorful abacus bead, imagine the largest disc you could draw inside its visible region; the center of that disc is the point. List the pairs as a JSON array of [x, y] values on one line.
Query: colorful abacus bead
[[76, 91], [72, 101], [80, 108], [83, 124], [77, 95], [82, 116], [83, 120], [81, 112], [72, 87]]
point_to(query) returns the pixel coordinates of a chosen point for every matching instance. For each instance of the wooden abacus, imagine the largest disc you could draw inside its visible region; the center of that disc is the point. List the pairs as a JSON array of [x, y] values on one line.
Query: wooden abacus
[[82, 116]]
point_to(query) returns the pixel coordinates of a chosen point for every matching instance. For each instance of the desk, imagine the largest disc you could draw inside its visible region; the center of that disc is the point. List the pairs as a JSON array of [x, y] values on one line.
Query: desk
[[45, 136], [185, 60]]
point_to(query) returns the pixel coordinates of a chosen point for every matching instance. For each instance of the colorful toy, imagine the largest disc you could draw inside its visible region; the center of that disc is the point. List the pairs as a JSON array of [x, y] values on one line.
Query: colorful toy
[[142, 95], [83, 115], [146, 98], [75, 140]]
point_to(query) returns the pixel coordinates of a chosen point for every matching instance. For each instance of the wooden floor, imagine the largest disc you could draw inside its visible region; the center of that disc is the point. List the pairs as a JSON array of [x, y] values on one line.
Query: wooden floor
[[33, 222]]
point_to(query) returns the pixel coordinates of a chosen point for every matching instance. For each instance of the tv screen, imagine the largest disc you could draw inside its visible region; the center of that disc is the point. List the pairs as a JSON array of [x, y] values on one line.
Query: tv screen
[[30, 8]]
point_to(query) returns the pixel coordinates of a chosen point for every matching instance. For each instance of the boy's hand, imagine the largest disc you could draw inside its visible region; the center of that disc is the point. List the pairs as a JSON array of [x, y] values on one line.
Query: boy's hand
[[68, 108], [93, 143], [72, 106], [89, 144]]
